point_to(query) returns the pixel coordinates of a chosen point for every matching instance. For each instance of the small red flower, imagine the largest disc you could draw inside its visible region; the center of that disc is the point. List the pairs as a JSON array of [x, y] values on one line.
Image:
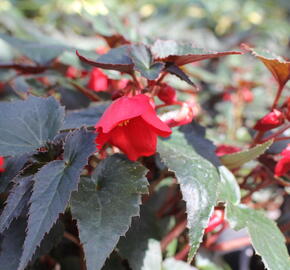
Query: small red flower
[[216, 219], [131, 124], [167, 94], [225, 149], [269, 121], [98, 80], [283, 165], [2, 169]]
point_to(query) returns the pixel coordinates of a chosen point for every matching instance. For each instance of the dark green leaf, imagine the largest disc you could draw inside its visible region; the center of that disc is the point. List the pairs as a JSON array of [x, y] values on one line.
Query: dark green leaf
[[50, 240], [115, 59], [238, 159], [52, 189], [175, 70], [41, 53], [182, 54], [267, 239], [195, 136], [85, 117], [28, 125], [134, 244], [198, 180], [114, 262], [12, 167], [143, 62], [229, 190], [72, 99], [105, 204], [11, 247], [17, 201]]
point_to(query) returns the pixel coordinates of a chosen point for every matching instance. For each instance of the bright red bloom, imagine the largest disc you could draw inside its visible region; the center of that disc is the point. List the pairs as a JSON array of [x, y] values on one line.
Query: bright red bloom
[[216, 219], [283, 165], [131, 124], [98, 80], [2, 169], [269, 121], [225, 149], [167, 94]]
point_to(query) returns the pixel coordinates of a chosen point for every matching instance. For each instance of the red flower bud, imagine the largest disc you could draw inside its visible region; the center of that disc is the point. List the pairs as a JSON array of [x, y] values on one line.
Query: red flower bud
[[179, 117], [131, 124], [2, 169], [98, 80], [225, 149], [269, 121], [283, 165], [74, 73], [247, 95], [216, 219], [288, 109], [167, 94]]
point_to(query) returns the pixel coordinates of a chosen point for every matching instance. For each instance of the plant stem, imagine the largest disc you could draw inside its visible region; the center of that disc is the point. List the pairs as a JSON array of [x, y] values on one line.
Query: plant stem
[[174, 233], [181, 255], [280, 89], [274, 135]]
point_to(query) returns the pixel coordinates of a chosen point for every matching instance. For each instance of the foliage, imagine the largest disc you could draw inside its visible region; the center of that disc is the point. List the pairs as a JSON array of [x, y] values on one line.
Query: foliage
[[201, 131]]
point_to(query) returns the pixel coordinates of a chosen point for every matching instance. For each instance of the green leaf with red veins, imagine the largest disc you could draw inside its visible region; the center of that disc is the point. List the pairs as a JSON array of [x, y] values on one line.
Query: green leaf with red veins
[[267, 239], [52, 188], [198, 180], [105, 204], [143, 62], [29, 124], [279, 67], [116, 59], [182, 53]]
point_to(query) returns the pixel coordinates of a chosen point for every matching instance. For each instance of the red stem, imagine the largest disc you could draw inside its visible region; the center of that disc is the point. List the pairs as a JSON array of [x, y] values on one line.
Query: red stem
[[181, 255], [280, 89], [279, 132], [174, 233]]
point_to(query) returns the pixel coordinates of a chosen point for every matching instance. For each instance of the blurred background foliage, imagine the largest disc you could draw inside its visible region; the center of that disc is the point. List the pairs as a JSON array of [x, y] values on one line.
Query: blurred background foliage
[[216, 25]]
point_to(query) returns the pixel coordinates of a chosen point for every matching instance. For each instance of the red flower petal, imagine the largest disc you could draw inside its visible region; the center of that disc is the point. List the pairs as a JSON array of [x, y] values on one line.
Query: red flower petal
[[135, 139], [122, 109], [283, 166], [2, 169]]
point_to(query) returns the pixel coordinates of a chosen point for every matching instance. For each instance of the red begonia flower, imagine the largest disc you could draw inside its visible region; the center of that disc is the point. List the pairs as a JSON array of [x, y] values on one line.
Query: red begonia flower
[[269, 121], [225, 149], [131, 124], [2, 169], [167, 94], [98, 80], [216, 219], [283, 165]]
